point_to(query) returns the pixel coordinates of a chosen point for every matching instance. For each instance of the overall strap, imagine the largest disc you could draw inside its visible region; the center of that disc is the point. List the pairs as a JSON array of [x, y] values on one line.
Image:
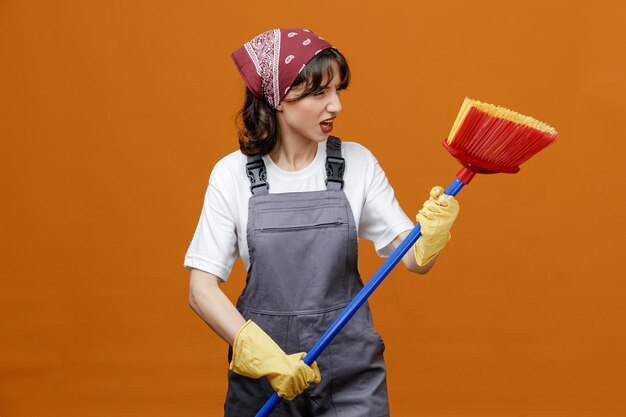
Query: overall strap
[[257, 174], [335, 164]]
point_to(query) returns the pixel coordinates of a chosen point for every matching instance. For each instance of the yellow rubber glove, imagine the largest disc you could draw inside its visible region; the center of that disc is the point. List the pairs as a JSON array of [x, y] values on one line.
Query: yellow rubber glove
[[255, 354], [436, 218]]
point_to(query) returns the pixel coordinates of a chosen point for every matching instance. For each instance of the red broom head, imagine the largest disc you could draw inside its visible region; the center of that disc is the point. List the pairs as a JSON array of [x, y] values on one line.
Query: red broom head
[[488, 139]]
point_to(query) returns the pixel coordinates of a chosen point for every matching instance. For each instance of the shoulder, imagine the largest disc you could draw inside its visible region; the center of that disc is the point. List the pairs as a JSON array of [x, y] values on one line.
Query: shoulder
[[228, 183], [228, 170], [354, 151], [361, 165]]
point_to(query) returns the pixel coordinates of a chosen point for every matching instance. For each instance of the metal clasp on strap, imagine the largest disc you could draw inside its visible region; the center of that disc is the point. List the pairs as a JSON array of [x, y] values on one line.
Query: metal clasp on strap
[[335, 167], [256, 174]]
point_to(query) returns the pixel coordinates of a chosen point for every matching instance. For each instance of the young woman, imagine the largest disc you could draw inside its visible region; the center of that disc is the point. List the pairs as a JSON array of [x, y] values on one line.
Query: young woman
[[291, 202]]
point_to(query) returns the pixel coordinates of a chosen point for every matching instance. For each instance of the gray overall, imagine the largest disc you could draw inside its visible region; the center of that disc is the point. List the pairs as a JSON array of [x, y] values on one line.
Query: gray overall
[[303, 272]]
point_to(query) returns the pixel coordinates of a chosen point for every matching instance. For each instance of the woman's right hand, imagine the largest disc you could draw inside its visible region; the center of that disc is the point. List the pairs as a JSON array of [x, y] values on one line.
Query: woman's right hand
[[255, 354]]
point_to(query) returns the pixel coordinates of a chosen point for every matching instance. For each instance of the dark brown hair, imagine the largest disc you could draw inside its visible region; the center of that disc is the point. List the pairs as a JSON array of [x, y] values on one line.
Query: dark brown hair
[[259, 132]]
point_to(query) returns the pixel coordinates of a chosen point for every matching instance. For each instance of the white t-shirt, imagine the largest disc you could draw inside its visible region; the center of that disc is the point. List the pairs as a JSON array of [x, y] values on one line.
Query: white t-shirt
[[221, 232]]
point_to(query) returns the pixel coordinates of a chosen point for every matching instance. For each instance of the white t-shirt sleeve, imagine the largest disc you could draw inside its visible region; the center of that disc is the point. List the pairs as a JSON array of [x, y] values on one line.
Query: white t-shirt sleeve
[[214, 246], [382, 219]]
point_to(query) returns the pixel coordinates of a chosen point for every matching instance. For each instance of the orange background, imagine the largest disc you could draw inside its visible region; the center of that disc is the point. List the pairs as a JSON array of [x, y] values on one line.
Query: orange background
[[112, 115]]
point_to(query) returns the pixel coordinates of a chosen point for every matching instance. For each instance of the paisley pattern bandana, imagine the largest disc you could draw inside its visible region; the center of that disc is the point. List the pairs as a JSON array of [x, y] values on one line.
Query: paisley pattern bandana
[[271, 62]]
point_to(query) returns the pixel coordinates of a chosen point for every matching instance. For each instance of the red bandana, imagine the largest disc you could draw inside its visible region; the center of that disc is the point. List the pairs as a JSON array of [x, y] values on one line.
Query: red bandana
[[271, 62]]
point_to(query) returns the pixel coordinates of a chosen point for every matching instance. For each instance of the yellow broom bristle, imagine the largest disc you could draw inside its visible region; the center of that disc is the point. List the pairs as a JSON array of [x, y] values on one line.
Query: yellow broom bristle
[[498, 112]]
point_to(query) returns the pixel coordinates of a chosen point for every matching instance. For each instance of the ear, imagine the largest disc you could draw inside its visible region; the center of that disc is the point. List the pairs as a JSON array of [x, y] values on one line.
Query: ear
[[280, 106]]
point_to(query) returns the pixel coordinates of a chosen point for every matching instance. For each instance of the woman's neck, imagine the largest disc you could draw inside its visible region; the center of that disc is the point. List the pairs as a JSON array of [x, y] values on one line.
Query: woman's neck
[[293, 155]]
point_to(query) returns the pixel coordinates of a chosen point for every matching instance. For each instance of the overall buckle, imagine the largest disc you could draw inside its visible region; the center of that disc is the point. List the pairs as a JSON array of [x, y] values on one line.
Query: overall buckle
[[257, 175], [335, 167]]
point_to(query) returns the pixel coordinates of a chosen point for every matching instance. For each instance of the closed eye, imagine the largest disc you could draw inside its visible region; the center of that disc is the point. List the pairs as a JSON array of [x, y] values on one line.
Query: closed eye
[[322, 92]]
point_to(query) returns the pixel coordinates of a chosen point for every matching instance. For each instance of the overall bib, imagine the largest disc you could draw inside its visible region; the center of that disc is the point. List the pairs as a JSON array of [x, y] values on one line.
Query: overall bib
[[303, 272]]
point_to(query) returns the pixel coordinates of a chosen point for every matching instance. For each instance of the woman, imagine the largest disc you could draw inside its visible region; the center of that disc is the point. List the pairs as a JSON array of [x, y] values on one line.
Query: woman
[[291, 203]]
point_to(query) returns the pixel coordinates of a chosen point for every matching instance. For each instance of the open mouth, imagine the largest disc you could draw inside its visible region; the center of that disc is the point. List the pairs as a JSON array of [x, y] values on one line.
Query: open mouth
[[327, 125]]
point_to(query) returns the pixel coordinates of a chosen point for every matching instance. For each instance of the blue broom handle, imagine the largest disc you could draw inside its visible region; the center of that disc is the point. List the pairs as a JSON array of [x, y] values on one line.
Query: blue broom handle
[[359, 299]]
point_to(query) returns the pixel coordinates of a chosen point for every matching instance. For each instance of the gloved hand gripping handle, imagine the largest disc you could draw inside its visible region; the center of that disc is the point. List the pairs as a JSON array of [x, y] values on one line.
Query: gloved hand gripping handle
[[367, 290]]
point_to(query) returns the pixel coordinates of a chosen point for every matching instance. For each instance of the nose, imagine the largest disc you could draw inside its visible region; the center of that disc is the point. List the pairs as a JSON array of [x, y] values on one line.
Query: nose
[[334, 103]]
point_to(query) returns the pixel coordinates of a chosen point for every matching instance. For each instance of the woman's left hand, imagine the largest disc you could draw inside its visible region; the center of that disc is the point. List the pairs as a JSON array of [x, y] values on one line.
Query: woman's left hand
[[436, 218]]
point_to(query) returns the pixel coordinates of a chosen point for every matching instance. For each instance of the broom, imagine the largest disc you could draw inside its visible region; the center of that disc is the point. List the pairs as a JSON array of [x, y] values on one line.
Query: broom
[[485, 139]]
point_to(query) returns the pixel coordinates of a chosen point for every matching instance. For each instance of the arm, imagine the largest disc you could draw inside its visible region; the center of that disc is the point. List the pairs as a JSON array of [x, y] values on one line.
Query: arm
[[436, 218], [211, 304], [409, 258], [255, 354]]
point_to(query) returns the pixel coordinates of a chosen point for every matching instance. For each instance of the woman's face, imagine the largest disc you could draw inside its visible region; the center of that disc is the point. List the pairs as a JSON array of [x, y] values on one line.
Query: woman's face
[[310, 118]]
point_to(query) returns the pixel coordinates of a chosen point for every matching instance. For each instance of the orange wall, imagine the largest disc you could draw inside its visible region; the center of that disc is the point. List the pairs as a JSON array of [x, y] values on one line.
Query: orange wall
[[113, 113]]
